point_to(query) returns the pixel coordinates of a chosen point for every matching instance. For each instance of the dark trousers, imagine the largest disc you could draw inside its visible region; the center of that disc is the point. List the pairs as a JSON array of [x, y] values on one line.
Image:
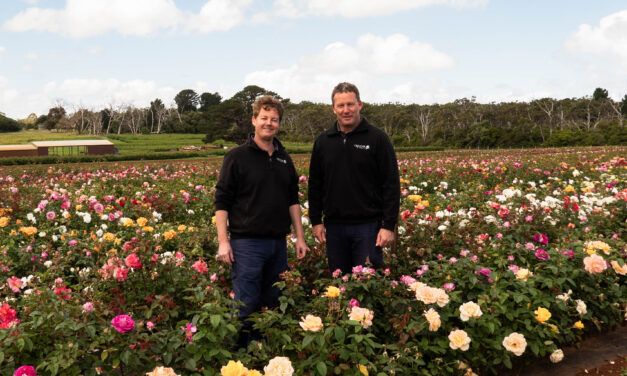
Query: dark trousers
[[258, 263], [351, 245]]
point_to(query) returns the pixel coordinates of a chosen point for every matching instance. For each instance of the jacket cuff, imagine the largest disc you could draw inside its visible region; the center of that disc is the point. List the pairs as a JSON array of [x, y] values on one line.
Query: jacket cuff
[[315, 220], [388, 225]]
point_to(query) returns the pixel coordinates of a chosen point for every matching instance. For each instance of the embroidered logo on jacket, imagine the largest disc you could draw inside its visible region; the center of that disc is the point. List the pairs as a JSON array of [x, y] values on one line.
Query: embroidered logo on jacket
[[362, 147], [282, 160]]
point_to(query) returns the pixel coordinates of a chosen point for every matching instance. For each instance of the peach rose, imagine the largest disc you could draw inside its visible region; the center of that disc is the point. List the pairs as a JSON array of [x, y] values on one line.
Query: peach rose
[[427, 295], [311, 323], [279, 366], [458, 339], [594, 264], [515, 343], [433, 318], [468, 310], [622, 270], [363, 315], [162, 371]]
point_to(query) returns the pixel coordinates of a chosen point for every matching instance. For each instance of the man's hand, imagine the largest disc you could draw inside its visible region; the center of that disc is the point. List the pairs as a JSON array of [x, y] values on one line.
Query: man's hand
[[301, 248], [225, 253], [319, 233], [385, 238]]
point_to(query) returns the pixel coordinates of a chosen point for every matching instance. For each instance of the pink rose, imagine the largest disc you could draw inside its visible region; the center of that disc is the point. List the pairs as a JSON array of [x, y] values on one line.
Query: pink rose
[[150, 325], [25, 371], [50, 215], [88, 307], [132, 261], [201, 267], [449, 286], [541, 254], [123, 323], [354, 303]]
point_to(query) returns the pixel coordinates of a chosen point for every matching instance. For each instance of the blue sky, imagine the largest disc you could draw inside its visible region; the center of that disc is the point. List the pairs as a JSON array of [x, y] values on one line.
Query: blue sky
[[100, 53]]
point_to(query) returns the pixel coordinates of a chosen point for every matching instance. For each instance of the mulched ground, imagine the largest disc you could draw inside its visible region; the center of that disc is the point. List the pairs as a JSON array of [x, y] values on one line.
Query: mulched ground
[[600, 355]]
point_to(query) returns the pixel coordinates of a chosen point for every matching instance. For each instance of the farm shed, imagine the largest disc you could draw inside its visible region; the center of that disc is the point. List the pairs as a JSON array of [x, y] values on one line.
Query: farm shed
[[18, 151], [70, 147]]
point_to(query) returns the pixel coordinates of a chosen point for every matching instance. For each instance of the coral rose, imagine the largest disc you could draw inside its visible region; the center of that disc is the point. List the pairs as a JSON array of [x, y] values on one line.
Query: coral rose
[[515, 343], [311, 323]]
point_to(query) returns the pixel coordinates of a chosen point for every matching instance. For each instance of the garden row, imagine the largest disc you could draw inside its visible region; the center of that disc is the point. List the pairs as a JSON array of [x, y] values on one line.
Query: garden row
[[502, 257]]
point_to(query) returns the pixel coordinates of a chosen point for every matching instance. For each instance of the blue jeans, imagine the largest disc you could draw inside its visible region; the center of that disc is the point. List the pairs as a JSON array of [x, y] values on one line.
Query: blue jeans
[[257, 265], [351, 245]]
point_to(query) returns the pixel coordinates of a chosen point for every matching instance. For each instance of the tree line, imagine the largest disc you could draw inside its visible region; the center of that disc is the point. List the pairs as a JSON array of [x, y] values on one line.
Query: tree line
[[463, 123]]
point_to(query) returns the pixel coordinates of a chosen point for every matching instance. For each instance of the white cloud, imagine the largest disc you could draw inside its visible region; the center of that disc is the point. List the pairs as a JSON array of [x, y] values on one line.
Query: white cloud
[[95, 50], [3, 82], [353, 8], [217, 15], [80, 19], [608, 40], [2, 49], [372, 57], [32, 56]]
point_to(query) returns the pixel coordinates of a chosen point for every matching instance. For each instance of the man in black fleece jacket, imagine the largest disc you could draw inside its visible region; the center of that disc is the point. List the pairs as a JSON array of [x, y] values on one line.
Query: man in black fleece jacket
[[354, 186], [257, 192]]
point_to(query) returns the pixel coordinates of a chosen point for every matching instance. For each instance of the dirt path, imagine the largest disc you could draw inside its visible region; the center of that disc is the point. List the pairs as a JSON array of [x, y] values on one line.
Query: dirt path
[[594, 356]]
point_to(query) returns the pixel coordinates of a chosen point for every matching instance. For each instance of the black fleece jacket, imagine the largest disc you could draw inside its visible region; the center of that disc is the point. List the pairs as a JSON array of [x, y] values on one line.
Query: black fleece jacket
[[257, 190], [353, 177]]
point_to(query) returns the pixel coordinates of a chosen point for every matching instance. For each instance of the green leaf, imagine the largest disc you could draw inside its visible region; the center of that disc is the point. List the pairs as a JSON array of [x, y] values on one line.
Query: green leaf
[[322, 368], [307, 340], [104, 355], [340, 335], [507, 362], [124, 357], [215, 320], [54, 368], [190, 364], [167, 358], [1, 357]]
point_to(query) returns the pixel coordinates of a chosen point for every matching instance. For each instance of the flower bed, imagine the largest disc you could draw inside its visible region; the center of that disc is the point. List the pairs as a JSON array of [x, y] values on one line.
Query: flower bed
[[501, 257]]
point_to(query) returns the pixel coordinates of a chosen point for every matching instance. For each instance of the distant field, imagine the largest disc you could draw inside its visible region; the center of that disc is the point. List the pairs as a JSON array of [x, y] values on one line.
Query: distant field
[[126, 143]]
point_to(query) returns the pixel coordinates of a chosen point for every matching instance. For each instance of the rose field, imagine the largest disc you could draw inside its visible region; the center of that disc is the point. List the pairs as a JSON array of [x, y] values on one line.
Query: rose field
[[502, 257]]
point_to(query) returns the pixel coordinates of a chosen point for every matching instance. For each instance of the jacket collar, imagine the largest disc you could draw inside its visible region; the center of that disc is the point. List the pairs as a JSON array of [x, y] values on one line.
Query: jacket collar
[[250, 142], [361, 127]]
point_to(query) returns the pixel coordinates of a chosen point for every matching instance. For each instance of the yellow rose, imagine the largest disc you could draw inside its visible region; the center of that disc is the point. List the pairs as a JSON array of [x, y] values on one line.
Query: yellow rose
[[458, 339], [141, 221], [363, 370], [523, 274], [30, 231], [4, 221], [542, 314], [234, 369], [332, 292], [128, 222], [79, 207], [148, 229], [108, 237], [415, 198], [311, 323], [169, 234], [515, 343], [554, 329], [579, 325], [570, 188], [254, 372], [181, 228]]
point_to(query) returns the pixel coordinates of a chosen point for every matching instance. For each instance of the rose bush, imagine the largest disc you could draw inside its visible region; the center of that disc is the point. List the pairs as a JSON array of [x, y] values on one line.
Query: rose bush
[[111, 270]]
